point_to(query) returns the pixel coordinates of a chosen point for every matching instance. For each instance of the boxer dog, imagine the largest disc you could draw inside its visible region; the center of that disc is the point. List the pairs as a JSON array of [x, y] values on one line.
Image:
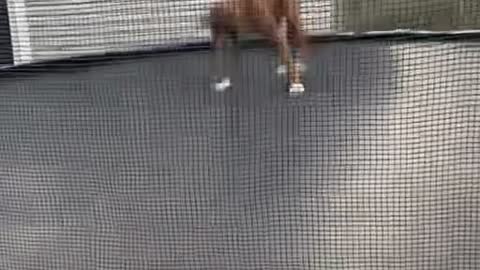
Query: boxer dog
[[276, 20]]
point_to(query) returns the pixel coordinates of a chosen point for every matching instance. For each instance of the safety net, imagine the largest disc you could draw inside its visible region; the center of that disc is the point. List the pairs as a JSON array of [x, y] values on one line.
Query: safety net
[[116, 153]]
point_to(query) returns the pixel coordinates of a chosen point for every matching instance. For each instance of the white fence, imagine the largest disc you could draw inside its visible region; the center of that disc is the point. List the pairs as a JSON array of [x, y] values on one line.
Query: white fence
[[47, 29]]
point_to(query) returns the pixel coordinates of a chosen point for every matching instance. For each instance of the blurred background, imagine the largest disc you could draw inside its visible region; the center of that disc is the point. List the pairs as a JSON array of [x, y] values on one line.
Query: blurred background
[[58, 28]]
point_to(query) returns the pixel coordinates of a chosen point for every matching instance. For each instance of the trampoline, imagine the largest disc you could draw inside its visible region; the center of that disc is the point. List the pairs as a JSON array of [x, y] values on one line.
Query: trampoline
[[131, 160]]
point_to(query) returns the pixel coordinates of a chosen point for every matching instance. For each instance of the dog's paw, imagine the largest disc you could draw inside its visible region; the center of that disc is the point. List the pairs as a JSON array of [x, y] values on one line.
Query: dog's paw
[[302, 67], [223, 85], [296, 88], [282, 69]]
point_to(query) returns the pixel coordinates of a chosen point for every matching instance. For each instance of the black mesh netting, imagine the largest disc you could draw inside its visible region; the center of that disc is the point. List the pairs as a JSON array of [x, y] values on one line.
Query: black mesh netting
[[133, 162]]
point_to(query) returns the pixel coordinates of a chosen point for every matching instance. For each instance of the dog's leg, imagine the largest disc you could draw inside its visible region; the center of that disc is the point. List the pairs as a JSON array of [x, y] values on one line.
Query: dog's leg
[[270, 29], [285, 35], [287, 60], [282, 49], [276, 33], [221, 79], [297, 41]]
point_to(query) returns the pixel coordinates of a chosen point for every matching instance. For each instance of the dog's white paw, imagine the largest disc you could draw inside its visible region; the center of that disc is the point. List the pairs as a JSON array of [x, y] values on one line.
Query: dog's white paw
[[302, 67], [223, 85], [282, 69], [297, 88]]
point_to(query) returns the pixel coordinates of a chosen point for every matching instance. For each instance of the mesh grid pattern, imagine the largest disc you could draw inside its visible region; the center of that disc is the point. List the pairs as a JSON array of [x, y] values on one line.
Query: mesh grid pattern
[[43, 30], [133, 162], [137, 164]]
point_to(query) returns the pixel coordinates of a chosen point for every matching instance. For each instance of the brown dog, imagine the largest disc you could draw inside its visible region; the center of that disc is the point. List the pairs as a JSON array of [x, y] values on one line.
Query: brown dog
[[267, 18]]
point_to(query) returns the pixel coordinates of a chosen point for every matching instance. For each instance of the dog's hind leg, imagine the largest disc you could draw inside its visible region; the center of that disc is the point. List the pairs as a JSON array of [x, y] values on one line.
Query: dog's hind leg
[[296, 68], [297, 39], [282, 50], [218, 31], [277, 33]]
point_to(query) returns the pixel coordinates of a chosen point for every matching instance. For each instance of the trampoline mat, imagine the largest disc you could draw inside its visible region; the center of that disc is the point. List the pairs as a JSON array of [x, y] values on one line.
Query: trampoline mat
[[138, 164]]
